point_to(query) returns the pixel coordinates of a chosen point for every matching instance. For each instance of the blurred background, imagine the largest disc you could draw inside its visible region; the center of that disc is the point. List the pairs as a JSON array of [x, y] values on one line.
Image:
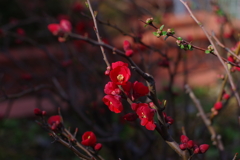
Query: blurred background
[[37, 71]]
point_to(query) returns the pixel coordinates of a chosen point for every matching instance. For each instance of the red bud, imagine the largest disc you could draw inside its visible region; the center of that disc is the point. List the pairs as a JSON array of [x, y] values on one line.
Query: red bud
[[218, 105], [203, 148], [184, 139]]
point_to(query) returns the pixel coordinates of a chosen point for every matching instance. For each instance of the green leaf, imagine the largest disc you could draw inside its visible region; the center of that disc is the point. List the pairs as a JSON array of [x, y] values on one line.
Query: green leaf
[[145, 25], [161, 28], [182, 46], [207, 51], [189, 46], [179, 38], [155, 33], [164, 33]]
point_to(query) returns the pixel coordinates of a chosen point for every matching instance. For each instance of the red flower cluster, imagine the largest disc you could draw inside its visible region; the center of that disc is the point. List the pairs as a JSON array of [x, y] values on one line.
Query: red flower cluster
[[62, 29], [89, 139], [119, 74], [189, 144], [145, 113], [127, 48], [55, 122]]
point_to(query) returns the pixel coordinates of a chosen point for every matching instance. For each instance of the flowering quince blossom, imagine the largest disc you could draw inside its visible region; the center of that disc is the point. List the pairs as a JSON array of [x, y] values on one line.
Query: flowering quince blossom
[[127, 48], [89, 139], [186, 143], [54, 121], [113, 103], [139, 90], [111, 88], [120, 73], [64, 26], [146, 115], [218, 105], [98, 146]]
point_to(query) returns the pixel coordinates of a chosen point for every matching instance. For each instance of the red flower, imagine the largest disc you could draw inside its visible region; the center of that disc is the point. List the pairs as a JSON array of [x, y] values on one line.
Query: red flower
[[218, 105], [54, 121], [98, 146], [184, 139], [146, 115], [111, 88], [120, 73], [139, 90], [37, 112], [130, 117], [54, 28], [203, 148], [89, 139], [113, 103], [129, 52], [226, 96], [183, 146], [65, 25], [126, 45]]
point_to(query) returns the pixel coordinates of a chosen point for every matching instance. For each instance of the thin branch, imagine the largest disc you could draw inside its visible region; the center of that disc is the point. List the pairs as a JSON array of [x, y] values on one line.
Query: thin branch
[[97, 32], [224, 47], [18, 95], [216, 52], [214, 137]]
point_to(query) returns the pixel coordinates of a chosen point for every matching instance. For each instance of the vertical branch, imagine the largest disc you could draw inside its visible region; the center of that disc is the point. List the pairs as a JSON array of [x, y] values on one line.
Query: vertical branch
[[97, 33], [216, 139]]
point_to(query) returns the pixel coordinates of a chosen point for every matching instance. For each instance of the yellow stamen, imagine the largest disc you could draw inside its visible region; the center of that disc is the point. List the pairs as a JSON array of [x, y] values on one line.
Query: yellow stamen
[[120, 77]]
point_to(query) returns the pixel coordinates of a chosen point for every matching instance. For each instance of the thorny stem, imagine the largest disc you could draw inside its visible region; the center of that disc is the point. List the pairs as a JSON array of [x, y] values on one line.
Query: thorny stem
[[216, 52], [97, 33]]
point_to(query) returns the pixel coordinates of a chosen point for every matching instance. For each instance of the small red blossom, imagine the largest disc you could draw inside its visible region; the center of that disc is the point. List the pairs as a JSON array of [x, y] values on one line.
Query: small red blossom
[[218, 105], [196, 150], [54, 121], [65, 25], [111, 88], [139, 90], [146, 115], [98, 147], [183, 146], [130, 117], [113, 103], [190, 144], [203, 148], [226, 96], [89, 139], [37, 112], [129, 52], [126, 45], [120, 73], [184, 139], [54, 28], [135, 106]]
